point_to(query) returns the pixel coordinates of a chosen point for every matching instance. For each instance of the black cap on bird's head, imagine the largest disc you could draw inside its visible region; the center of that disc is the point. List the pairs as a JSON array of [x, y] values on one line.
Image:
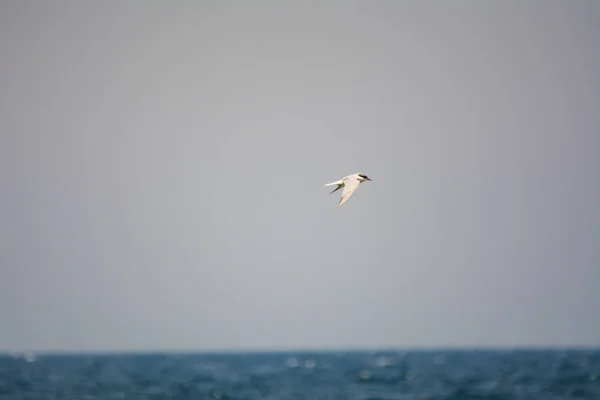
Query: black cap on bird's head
[[364, 177]]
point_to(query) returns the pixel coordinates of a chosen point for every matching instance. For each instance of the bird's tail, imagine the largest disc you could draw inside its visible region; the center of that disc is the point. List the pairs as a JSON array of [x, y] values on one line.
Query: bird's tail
[[334, 183]]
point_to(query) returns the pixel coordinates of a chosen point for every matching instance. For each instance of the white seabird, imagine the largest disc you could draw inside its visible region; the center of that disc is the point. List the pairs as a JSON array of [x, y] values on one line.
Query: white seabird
[[349, 183]]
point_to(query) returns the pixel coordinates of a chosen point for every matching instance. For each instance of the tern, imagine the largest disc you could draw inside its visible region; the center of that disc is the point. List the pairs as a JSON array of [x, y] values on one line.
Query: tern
[[349, 183]]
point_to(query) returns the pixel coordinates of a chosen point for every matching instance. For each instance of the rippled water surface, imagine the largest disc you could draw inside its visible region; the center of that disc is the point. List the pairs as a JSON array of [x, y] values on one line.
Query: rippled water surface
[[539, 375]]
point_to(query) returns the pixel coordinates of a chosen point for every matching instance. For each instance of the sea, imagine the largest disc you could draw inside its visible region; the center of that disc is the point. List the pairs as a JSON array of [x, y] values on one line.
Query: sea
[[381, 375]]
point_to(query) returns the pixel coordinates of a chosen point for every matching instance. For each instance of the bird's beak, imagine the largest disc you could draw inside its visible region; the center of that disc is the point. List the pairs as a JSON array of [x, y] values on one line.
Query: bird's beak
[[369, 179]]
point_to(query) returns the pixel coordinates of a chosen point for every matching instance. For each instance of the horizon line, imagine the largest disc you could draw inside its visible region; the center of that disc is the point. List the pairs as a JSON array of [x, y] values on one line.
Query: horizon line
[[298, 350]]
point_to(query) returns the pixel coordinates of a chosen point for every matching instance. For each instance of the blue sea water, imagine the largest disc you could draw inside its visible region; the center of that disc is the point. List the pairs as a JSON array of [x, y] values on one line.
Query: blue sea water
[[535, 375]]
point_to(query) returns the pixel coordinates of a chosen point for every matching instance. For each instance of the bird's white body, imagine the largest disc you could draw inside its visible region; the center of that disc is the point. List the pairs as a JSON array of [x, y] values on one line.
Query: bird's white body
[[349, 183]]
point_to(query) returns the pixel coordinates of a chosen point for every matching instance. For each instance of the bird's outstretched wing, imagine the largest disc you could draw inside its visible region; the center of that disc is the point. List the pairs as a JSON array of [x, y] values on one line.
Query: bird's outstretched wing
[[350, 185], [337, 188]]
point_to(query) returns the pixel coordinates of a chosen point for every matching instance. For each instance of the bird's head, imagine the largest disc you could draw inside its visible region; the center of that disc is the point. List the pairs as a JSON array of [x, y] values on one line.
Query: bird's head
[[363, 177]]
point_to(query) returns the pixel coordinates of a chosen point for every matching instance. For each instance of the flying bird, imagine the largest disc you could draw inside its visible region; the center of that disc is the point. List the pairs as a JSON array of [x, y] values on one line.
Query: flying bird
[[349, 183]]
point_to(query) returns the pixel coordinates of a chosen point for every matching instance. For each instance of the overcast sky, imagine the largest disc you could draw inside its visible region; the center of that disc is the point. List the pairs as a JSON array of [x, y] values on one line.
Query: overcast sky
[[162, 168]]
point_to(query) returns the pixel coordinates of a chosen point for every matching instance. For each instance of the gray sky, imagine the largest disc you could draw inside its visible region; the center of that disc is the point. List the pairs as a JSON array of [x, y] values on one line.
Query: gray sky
[[162, 169]]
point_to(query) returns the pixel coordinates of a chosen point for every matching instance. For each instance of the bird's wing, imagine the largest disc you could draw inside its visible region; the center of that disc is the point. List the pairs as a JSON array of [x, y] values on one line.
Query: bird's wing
[[341, 185], [350, 185]]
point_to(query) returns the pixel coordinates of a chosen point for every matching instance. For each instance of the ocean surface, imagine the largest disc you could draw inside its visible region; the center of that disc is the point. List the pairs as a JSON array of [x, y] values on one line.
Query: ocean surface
[[539, 375]]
